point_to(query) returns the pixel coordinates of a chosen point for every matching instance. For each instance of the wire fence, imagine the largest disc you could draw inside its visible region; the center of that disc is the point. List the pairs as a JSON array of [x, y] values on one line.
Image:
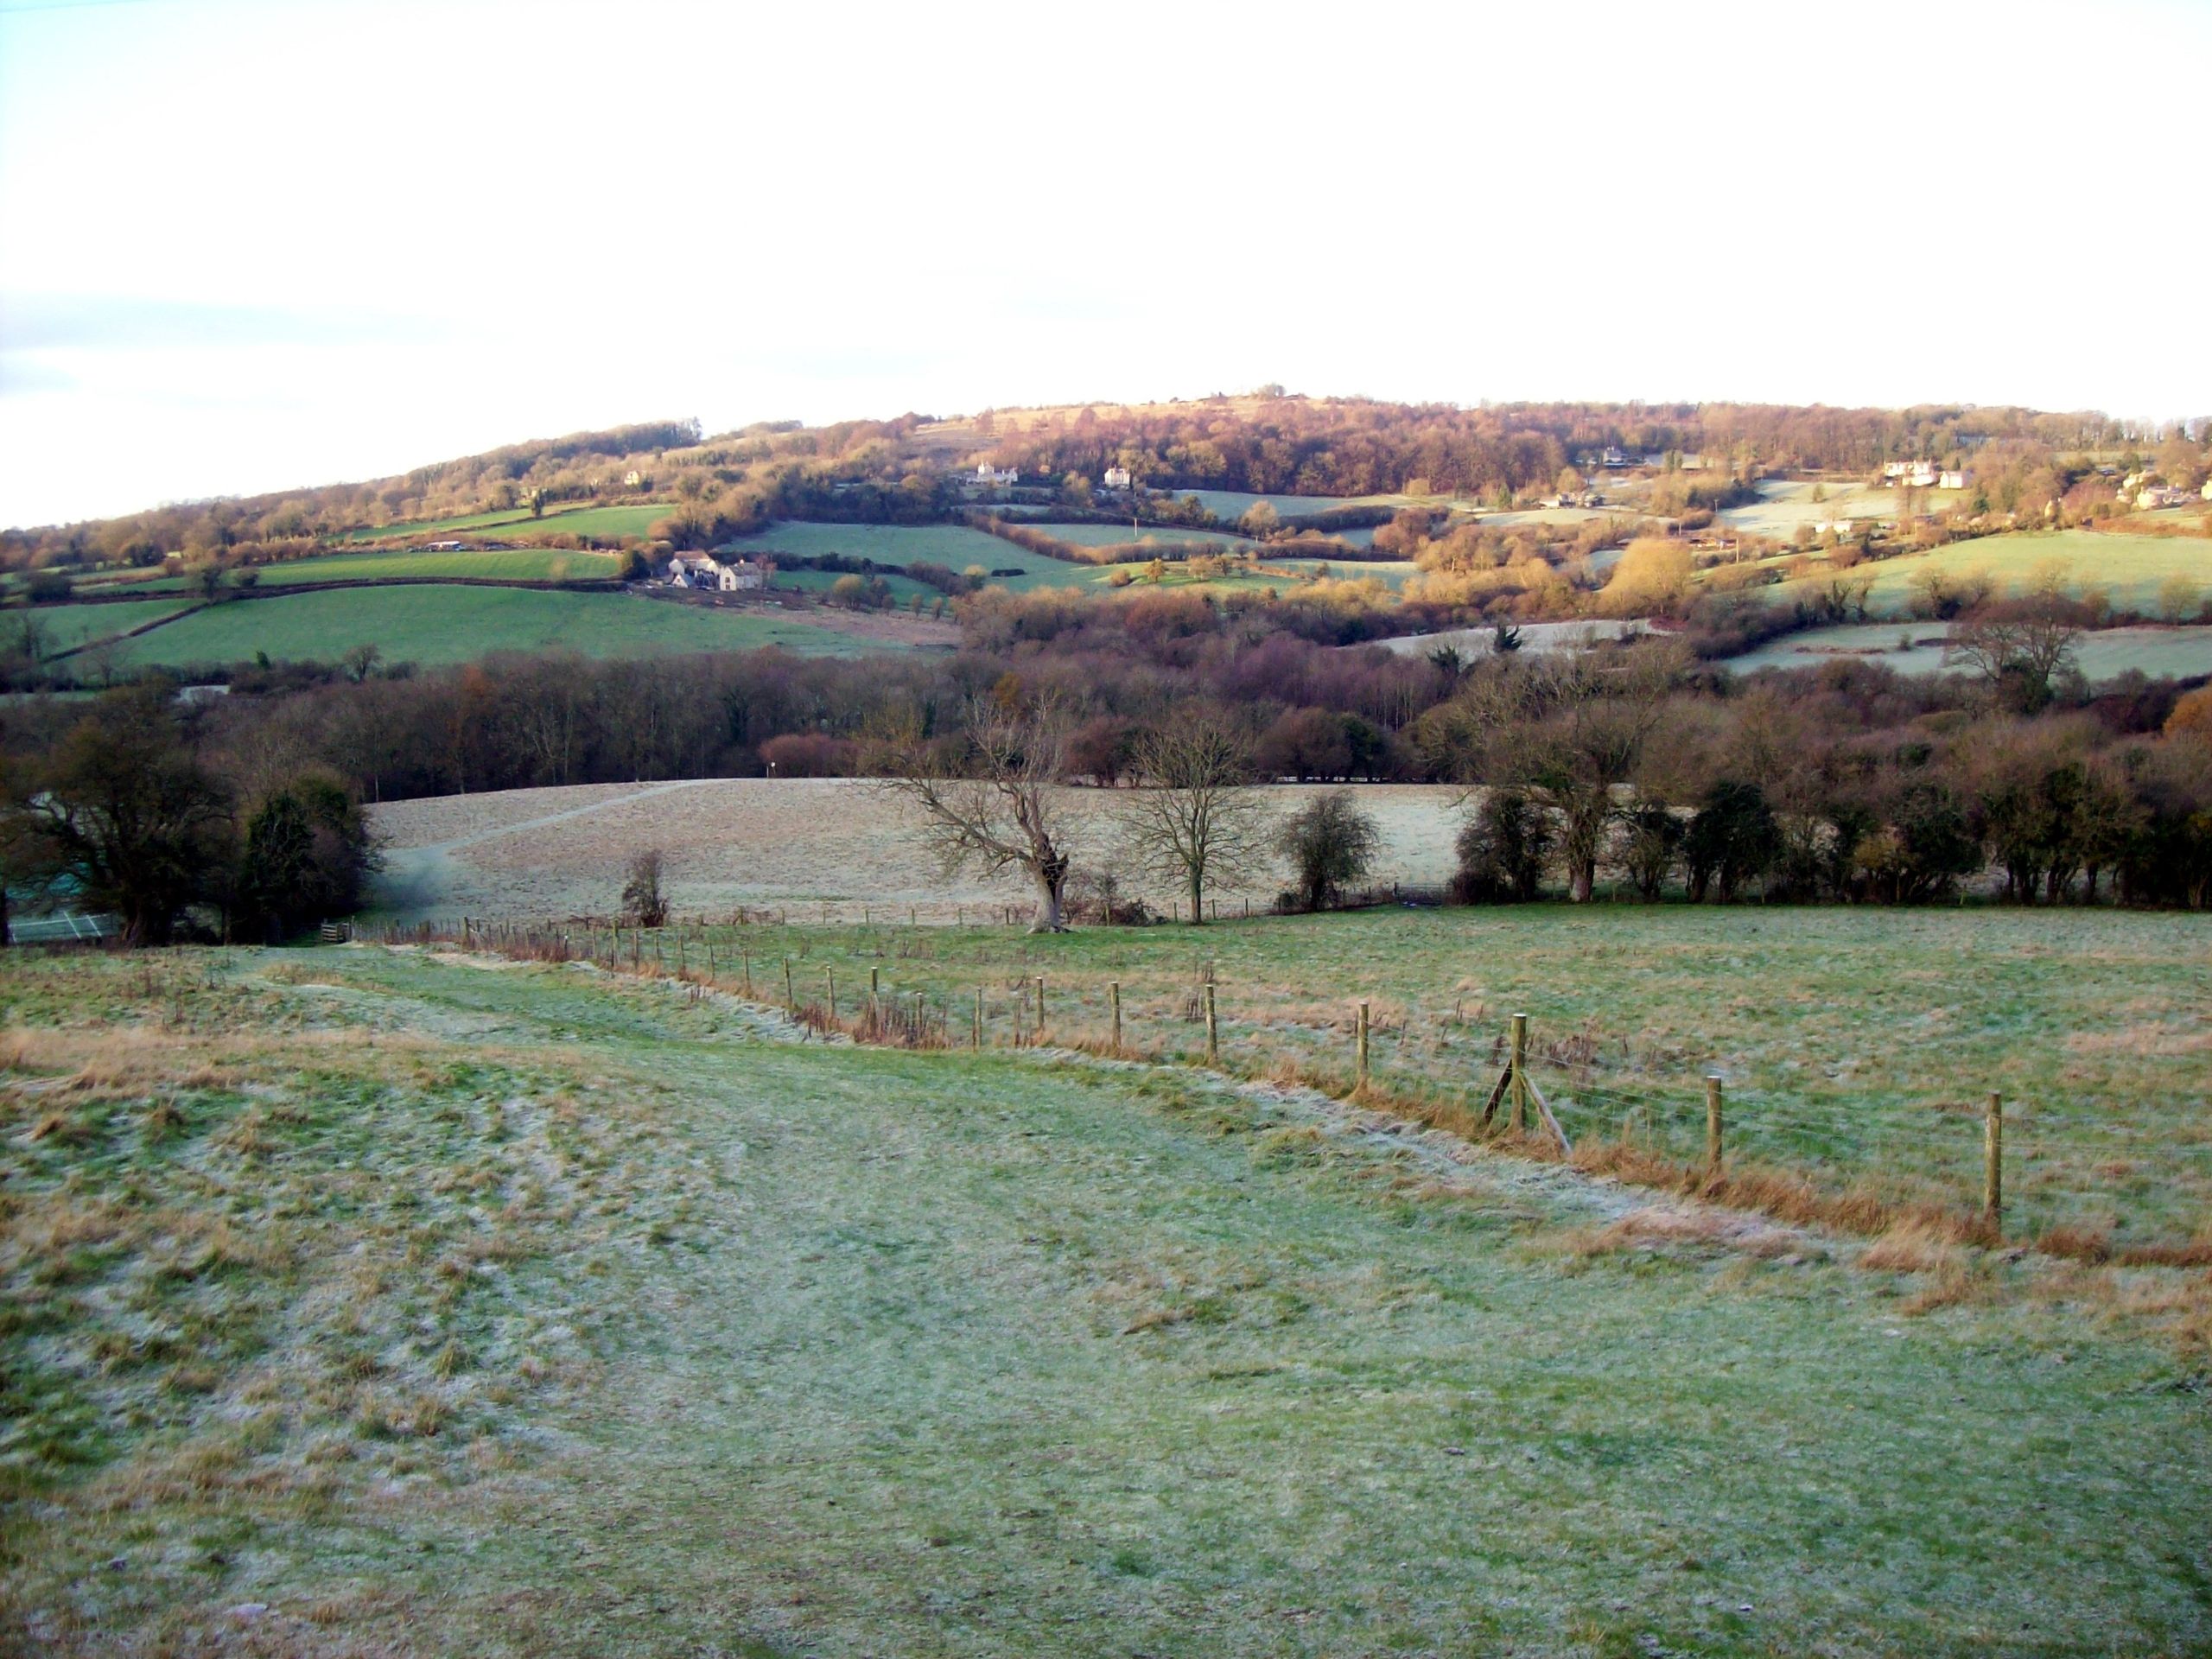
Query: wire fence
[[1810, 1160]]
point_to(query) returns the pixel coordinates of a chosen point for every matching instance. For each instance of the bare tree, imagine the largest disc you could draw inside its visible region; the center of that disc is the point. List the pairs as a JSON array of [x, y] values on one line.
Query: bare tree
[[1569, 729], [643, 900], [1197, 822], [2020, 647], [1005, 812]]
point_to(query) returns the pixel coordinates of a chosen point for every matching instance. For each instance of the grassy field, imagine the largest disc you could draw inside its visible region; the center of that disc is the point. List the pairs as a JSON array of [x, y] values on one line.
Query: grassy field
[[2092, 1024], [1118, 535], [520, 564], [1785, 503], [67, 626], [810, 842], [905, 589], [2129, 567], [2157, 651], [366, 1302], [1228, 505], [434, 526], [435, 625], [633, 519], [1393, 572], [954, 546]]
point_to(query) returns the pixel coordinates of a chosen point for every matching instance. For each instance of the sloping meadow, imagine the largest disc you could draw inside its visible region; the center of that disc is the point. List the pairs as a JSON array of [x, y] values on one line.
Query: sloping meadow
[[363, 1301]]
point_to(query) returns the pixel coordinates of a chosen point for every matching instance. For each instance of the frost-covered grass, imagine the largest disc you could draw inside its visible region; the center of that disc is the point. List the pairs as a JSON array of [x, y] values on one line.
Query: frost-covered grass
[[1857, 1044], [531, 1310]]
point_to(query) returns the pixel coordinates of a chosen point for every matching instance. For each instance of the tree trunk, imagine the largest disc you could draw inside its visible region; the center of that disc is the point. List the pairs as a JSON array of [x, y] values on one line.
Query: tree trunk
[[1583, 880], [1051, 876], [1198, 902]]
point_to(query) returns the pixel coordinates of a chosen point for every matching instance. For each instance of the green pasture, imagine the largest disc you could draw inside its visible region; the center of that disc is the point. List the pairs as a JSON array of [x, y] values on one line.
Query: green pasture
[[399, 1302], [1228, 505], [1122, 535], [509, 565], [1394, 572], [2129, 567], [439, 625], [607, 523], [954, 546], [2176, 652], [1851, 1042], [905, 589], [63, 627], [435, 526]]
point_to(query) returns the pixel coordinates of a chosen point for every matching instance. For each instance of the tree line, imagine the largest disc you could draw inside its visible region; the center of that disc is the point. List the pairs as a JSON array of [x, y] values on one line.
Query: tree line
[[1633, 768]]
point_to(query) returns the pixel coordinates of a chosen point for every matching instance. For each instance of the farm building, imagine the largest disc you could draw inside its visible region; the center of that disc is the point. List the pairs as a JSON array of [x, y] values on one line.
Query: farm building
[[701, 572], [1912, 474], [1955, 478], [1117, 477], [2154, 496], [997, 477]]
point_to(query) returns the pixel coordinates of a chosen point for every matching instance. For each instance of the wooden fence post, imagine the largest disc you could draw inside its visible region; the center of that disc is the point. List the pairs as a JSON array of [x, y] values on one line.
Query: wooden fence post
[[747, 954], [1993, 1163], [1713, 1147], [1362, 1082], [1114, 1001], [791, 997], [1519, 1085], [1213, 1030], [829, 979], [917, 1019], [1041, 1008], [975, 1031], [875, 990]]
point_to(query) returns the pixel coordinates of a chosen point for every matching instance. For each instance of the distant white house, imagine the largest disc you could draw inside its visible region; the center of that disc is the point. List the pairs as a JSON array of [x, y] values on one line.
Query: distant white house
[[633, 479], [2208, 489], [997, 478], [1693, 463], [1954, 479], [2154, 496], [1911, 475], [447, 547], [1117, 477], [704, 573], [1840, 526]]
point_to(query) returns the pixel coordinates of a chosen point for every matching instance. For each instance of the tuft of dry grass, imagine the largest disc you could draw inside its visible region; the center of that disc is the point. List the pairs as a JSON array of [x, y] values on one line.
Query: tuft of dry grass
[[1913, 1245]]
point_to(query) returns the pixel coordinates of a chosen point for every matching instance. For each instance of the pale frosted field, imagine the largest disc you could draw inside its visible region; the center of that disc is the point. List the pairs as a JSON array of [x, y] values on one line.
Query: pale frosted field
[[796, 843]]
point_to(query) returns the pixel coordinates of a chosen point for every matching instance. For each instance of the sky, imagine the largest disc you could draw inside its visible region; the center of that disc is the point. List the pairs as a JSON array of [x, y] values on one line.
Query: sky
[[248, 245]]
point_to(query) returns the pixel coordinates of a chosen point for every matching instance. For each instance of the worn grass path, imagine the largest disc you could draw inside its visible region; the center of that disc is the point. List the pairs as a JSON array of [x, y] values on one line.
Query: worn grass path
[[955, 1356]]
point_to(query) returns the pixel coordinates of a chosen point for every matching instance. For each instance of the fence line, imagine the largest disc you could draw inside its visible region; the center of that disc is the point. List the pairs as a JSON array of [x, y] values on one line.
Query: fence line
[[1696, 1140]]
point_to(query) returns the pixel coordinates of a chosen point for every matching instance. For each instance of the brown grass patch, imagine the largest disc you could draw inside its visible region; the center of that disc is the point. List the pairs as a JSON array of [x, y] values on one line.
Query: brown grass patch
[[1654, 1228], [1911, 1246]]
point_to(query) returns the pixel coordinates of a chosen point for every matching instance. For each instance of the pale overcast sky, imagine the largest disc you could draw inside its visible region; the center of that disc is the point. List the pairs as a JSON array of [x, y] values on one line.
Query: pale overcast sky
[[247, 246]]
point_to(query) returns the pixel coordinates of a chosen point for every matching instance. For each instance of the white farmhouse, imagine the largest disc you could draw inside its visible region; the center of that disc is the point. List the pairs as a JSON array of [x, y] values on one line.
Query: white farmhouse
[[1117, 477], [997, 478], [703, 572]]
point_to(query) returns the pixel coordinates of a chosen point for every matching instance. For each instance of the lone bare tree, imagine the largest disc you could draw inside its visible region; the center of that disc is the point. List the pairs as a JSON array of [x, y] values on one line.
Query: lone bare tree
[[1198, 822], [1001, 809]]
